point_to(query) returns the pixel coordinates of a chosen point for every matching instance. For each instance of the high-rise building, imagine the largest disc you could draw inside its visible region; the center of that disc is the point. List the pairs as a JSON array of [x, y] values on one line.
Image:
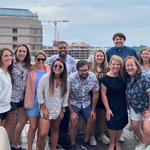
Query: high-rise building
[[18, 26]]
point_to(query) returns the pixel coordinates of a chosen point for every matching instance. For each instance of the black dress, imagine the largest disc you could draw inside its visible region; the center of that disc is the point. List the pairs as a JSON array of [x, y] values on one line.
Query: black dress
[[117, 102]]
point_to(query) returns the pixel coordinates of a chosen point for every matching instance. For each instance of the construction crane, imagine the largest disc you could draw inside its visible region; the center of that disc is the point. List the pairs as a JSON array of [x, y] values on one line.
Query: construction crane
[[55, 26]]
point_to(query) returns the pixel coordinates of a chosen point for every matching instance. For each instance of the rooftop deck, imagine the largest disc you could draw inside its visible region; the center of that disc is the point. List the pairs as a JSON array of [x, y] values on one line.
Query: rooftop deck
[[129, 144]]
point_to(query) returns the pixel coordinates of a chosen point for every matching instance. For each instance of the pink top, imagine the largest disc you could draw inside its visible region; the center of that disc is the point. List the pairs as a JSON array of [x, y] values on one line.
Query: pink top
[[30, 87]]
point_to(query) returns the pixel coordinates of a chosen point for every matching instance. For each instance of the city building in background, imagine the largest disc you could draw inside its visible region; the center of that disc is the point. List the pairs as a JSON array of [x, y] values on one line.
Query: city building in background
[[79, 50], [19, 26]]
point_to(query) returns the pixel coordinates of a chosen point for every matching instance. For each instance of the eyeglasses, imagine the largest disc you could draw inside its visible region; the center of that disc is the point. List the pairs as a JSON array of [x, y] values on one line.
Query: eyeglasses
[[62, 47], [39, 59], [59, 66]]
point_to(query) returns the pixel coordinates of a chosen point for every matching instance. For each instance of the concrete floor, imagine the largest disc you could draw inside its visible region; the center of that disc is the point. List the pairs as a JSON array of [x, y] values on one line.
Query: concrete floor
[[129, 144]]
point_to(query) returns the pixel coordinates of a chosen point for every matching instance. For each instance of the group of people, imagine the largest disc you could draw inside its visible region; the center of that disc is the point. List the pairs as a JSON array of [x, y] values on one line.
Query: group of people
[[54, 92]]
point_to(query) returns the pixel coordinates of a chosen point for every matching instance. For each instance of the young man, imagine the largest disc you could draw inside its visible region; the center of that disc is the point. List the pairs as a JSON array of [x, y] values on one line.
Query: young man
[[63, 55], [82, 83], [119, 48]]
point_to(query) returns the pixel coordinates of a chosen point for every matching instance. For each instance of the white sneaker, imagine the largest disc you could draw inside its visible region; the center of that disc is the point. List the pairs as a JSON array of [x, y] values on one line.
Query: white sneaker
[[104, 139], [140, 146], [93, 141], [148, 147], [121, 139]]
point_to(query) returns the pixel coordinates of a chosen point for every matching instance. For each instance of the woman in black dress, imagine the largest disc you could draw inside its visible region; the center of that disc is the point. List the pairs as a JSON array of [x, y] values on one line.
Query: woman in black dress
[[113, 97]]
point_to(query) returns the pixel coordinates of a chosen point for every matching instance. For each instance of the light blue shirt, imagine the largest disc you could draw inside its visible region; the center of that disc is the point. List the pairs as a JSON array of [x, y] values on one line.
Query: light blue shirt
[[70, 62]]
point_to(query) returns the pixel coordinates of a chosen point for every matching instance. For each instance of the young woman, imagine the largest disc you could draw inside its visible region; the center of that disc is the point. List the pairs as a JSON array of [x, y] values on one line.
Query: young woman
[[19, 73], [99, 68], [145, 62], [138, 96], [145, 59], [53, 91], [113, 96], [31, 101], [5, 83]]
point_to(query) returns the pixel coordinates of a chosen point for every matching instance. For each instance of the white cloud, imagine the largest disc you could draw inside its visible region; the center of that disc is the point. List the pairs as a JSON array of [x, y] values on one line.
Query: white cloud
[[92, 21]]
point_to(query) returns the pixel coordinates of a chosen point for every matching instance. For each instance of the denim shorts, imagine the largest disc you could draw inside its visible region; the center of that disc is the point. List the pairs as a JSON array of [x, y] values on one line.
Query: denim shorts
[[135, 116], [15, 106], [84, 112]]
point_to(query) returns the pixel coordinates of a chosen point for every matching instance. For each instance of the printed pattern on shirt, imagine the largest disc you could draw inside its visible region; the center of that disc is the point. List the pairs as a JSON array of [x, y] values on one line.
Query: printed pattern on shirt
[[19, 77], [136, 93], [80, 89]]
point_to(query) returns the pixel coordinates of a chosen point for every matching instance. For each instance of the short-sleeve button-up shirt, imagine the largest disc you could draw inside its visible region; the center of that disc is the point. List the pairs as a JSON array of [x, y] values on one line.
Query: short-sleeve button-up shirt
[[80, 89], [137, 93]]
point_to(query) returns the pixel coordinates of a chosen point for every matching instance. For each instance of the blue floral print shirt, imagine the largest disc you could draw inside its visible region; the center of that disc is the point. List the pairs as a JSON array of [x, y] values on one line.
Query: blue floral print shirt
[[137, 93]]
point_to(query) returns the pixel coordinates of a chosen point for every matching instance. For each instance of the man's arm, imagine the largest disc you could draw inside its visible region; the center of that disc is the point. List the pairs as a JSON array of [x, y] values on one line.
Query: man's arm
[[73, 115], [135, 54], [108, 55], [95, 96]]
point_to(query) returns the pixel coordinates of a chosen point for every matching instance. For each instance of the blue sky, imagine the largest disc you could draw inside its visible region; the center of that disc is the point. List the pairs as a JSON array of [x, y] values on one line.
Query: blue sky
[[91, 21]]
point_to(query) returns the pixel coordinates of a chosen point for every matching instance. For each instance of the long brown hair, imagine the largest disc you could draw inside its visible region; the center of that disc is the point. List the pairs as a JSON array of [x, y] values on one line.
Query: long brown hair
[[27, 59], [138, 72], [63, 77], [144, 49], [104, 65], [1, 53]]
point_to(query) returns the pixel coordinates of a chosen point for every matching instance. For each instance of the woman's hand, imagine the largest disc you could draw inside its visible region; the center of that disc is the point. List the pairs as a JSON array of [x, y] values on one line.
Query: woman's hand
[[147, 114], [61, 115], [93, 115], [45, 112], [109, 114]]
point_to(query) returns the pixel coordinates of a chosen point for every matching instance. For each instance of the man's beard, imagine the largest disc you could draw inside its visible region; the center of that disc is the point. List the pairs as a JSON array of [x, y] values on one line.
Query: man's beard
[[84, 76], [63, 57]]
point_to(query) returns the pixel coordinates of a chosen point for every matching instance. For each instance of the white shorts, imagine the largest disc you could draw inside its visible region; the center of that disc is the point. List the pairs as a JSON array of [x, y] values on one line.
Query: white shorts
[[135, 116]]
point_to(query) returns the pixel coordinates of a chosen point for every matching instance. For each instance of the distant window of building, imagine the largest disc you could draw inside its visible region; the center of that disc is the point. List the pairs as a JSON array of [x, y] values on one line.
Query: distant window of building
[[14, 38], [35, 31], [36, 47], [35, 39], [14, 30], [14, 46]]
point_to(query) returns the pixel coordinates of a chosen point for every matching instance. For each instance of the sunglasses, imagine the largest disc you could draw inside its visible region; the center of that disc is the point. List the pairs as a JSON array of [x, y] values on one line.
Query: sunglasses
[[39, 59], [59, 66], [62, 47]]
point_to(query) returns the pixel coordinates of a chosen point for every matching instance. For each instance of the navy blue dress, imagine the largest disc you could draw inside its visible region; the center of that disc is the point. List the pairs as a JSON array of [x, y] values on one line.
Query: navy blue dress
[[117, 102]]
